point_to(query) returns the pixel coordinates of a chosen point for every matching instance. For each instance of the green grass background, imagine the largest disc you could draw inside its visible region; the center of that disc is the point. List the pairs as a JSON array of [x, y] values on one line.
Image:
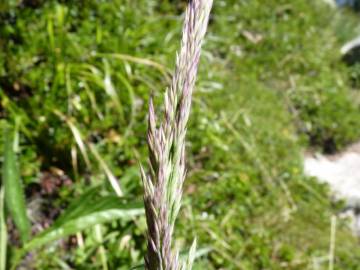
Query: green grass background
[[271, 83]]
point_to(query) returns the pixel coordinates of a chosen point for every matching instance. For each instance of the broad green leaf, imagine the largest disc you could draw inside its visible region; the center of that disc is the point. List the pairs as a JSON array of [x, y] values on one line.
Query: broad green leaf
[[85, 212], [14, 193], [77, 207], [3, 233]]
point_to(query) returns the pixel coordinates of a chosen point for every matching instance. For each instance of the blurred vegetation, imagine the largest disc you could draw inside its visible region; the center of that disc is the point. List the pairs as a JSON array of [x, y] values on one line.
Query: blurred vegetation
[[75, 78]]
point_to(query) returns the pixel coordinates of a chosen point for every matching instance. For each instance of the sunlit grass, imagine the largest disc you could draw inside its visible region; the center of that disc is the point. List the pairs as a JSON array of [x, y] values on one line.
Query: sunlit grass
[[271, 81]]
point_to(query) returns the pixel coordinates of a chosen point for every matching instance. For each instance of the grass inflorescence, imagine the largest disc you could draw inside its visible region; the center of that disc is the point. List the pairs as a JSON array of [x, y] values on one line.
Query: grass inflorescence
[[75, 78], [164, 184]]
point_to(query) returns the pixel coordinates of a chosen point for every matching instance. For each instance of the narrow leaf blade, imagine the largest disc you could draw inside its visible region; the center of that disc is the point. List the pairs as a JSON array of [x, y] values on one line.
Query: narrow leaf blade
[[14, 193], [3, 233], [99, 211]]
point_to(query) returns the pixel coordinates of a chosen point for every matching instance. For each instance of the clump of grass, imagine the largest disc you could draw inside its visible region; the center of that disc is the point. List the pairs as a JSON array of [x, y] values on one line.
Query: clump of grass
[[164, 183]]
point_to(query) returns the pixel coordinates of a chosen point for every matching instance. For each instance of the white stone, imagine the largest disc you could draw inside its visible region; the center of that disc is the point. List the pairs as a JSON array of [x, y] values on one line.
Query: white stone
[[349, 46], [342, 173]]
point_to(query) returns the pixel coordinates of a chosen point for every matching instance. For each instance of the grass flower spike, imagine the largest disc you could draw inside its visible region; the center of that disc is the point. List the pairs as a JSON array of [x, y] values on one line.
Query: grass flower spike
[[166, 141]]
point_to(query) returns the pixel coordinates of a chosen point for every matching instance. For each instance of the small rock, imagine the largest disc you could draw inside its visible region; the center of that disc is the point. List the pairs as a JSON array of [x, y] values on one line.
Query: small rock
[[342, 173]]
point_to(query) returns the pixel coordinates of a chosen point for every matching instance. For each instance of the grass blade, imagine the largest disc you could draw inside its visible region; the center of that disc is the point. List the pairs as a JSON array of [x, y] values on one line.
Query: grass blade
[[111, 91], [138, 60], [14, 193], [102, 252], [77, 136], [3, 235], [86, 212], [111, 177]]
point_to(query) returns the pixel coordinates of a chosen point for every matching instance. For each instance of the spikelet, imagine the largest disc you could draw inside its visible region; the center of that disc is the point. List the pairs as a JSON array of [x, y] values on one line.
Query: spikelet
[[163, 184]]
